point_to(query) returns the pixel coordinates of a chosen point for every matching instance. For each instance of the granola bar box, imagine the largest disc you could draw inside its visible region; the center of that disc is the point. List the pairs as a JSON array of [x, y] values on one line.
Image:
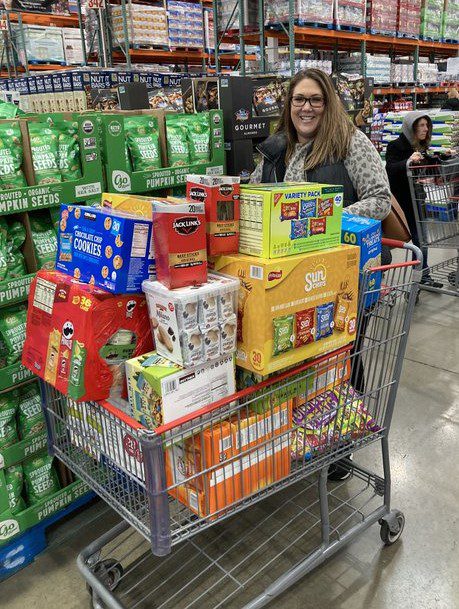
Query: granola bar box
[[105, 247], [293, 308], [284, 219], [78, 336]]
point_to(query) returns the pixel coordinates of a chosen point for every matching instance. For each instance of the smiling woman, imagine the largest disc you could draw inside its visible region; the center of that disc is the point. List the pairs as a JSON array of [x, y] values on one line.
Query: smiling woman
[[316, 142]]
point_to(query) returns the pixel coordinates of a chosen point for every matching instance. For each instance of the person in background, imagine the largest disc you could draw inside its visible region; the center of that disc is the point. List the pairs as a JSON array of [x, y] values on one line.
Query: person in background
[[452, 103], [317, 142], [411, 147]]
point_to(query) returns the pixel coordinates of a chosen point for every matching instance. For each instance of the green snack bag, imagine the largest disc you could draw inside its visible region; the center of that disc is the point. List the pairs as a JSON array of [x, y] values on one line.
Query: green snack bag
[[178, 151], [68, 150], [8, 110], [142, 138], [15, 260], [12, 329], [55, 213], [3, 249], [14, 477], [44, 143], [283, 334], [8, 432], [198, 130], [3, 352], [44, 239], [40, 478], [30, 417], [11, 175]]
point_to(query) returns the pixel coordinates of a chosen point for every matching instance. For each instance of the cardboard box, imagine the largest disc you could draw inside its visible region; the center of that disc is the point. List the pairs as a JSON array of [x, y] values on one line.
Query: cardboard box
[[277, 296], [367, 234], [284, 219], [161, 391], [105, 248]]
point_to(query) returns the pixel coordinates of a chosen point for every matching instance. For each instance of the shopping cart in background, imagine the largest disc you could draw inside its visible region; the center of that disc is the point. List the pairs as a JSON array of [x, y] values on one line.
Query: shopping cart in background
[[231, 505], [435, 195]]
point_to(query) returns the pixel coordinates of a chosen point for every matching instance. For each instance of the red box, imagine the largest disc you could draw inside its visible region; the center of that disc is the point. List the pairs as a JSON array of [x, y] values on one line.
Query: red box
[[179, 235], [220, 195], [79, 336]]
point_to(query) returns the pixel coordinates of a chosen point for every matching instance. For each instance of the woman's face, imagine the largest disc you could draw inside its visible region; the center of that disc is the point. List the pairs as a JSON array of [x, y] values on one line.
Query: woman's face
[[422, 129], [306, 117]]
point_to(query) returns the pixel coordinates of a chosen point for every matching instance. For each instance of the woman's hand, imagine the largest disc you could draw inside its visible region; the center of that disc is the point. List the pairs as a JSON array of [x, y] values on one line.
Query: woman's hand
[[416, 157]]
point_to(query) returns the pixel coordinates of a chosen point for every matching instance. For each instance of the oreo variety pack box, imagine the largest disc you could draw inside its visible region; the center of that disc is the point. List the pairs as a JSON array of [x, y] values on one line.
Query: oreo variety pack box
[[102, 247]]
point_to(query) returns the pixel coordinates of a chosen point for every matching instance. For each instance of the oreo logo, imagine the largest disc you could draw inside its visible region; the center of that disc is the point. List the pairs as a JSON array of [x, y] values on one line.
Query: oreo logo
[[186, 225]]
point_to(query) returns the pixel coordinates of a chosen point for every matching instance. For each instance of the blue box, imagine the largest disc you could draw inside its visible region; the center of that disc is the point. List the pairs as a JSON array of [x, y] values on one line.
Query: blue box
[[108, 248], [367, 234]]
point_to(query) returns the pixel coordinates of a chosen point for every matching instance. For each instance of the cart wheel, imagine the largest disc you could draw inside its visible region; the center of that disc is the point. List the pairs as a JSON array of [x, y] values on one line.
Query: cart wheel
[[390, 537], [109, 572]]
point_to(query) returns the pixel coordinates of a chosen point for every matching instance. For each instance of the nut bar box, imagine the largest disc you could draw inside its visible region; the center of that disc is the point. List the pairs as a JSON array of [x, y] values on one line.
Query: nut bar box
[[293, 308], [79, 336]]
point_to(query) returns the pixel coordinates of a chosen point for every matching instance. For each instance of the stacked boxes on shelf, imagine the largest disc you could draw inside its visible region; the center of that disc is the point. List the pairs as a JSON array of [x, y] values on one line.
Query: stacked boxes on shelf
[[305, 12], [382, 17], [402, 73], [73, 47], [185, 24], [146, 25], [41, 45], [450, 29], [228, 14], [281, 65], [409, 18], [432, 19], [351, 14], [427, 73], [377, 66]]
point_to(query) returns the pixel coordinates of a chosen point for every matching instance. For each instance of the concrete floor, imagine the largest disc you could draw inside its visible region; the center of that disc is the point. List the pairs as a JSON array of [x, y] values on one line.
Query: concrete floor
[[421, 571]]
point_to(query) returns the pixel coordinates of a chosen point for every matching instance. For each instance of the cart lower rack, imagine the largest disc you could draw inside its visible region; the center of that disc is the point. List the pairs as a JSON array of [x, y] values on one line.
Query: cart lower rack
[[268, 448]]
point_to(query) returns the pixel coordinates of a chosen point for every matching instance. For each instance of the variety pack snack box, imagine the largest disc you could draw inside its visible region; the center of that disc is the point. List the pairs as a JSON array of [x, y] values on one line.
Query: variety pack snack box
[[161, 391], [195, 324], [78, 336], [111, 250], [293, 308], [284, 219]]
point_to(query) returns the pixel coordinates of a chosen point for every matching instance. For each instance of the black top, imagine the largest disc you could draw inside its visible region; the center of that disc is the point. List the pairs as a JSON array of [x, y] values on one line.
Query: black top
[[397, 153], [451, 104]]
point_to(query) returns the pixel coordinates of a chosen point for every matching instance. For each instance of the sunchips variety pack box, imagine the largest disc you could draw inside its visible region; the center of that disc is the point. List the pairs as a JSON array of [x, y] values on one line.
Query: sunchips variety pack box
[[106, 248], [220, 195], [367, 234], [285, 219], [161, 391], [293, 308], [78, 336]]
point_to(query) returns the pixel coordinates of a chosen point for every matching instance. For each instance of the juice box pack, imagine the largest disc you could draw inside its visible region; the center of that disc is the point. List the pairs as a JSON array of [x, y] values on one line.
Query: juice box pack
[[79, 336], [284, 219], [367, 234], [161, 391], [220, 195], [293, 308], [107, 248]]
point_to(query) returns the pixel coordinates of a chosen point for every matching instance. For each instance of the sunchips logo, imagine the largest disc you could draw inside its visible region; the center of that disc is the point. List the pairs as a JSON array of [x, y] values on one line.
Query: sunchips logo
[[121, 181], [273, 275], [315, 279], [198, 194], [186, 225]]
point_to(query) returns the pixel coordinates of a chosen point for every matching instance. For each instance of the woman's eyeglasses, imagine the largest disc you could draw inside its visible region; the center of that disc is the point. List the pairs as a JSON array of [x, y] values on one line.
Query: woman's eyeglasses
[[316, 101]]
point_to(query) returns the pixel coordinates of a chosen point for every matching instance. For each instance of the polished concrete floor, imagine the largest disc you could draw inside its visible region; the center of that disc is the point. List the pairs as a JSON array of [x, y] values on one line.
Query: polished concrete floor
[[421, 571]]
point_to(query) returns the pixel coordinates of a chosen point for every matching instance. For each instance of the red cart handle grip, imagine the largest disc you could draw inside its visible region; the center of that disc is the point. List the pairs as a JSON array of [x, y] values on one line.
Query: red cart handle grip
[[393, 242]]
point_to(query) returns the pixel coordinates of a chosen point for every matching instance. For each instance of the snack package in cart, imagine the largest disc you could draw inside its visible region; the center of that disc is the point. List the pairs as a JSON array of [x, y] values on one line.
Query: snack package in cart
[[79, 336]]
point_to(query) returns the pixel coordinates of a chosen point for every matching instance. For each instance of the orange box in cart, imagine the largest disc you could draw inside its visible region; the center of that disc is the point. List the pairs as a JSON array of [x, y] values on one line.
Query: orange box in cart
[[293, 308]]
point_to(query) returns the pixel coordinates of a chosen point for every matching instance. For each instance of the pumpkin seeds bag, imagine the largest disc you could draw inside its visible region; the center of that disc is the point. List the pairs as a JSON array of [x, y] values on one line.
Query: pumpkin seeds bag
[[40, 478], [30, 417], [3, 249], [44, 238], [178, 150], [15, 260], [11, 175], [3, 352], [14, 477], [68, 150], [198, 131], [12, 329], [44, 143], [142, 138], [8, 431]]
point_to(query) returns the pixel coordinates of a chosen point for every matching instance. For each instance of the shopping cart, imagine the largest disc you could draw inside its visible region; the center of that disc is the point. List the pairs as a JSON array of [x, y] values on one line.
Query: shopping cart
[[435, 196], [188, 538]]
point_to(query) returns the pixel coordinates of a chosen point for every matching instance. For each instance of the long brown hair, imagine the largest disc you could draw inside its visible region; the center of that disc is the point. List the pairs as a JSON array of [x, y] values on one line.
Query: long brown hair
[[422, 146], [335, 128]]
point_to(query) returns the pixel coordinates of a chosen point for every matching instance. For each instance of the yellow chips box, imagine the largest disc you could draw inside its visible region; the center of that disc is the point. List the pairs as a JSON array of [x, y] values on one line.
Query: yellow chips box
[[293, 308]]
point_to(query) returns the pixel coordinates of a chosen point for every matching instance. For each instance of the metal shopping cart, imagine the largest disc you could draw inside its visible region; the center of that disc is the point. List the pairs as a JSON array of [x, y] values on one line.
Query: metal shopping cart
[[230, 505], [435, 196]]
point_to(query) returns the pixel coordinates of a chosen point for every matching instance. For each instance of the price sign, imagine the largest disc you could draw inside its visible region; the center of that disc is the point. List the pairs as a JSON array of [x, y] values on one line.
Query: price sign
[[96, 4]]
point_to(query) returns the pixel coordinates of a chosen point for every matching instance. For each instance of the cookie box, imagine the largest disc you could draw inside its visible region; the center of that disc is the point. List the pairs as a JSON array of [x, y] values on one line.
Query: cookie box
[[195, 324]]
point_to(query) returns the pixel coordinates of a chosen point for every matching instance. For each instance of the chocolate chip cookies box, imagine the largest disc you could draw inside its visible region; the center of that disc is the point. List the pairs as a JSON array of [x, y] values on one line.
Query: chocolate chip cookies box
[[367, 234], [285, 219], [105, 247], [293, 308], [78, 336], [161, 391]]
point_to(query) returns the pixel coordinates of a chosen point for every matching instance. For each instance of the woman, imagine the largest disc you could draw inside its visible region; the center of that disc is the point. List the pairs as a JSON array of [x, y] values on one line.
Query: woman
[[410, 148], [316, 142]]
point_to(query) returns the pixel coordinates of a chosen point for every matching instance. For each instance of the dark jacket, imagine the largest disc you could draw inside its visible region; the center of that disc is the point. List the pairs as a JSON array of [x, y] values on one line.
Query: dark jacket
[[273, 151], [397, 154], [451, 104]]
